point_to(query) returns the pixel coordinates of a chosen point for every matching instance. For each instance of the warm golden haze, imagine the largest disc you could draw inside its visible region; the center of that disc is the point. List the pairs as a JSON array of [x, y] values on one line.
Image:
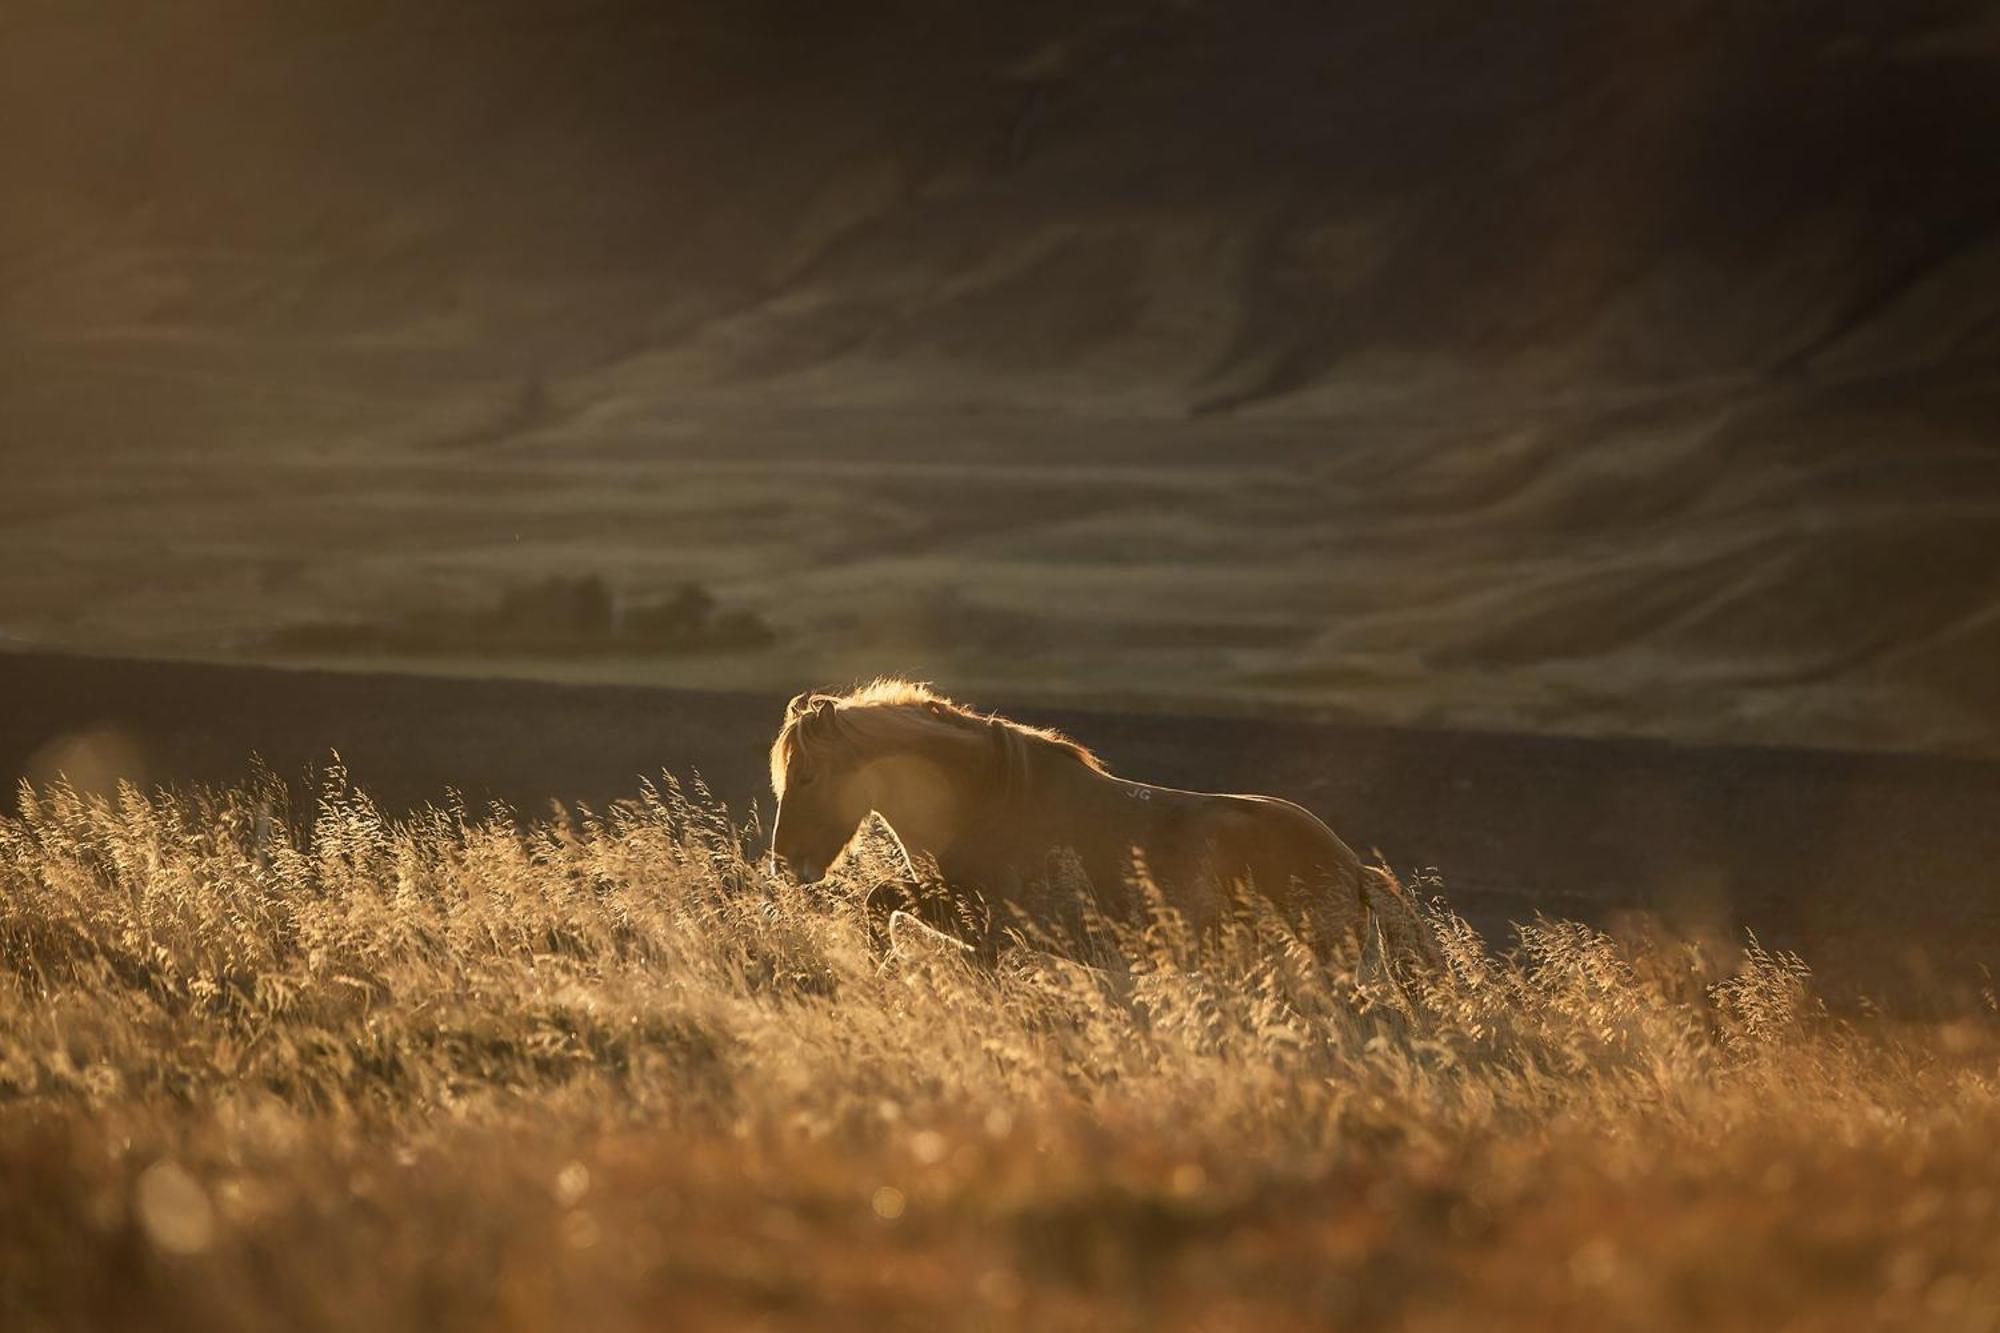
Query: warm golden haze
[[1548, 452]]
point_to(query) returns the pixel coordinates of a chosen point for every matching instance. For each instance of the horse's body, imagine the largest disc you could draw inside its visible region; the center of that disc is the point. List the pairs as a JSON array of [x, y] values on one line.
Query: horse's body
[[1024, 819]]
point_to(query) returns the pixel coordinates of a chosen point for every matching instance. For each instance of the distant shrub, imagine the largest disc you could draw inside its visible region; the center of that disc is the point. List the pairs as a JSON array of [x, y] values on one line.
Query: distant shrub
[[558, 614], [556, 609]]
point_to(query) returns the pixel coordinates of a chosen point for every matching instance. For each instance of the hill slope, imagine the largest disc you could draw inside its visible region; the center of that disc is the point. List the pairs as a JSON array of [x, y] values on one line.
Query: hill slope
[[1582, 368]]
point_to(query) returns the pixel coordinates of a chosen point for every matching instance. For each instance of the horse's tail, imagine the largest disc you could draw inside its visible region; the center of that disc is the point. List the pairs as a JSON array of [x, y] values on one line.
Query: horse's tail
[[1407, 940]]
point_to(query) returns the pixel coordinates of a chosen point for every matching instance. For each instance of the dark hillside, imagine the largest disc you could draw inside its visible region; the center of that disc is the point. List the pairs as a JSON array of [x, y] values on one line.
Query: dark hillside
[[1227, 202], [1567, 367]]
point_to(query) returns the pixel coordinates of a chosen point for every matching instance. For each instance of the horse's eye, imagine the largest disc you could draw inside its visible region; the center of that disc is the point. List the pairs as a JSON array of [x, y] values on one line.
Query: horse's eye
[[805, 780]]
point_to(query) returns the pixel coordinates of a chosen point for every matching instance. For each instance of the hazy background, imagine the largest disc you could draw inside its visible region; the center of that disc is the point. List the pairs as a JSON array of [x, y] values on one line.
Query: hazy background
[[1569, 367]]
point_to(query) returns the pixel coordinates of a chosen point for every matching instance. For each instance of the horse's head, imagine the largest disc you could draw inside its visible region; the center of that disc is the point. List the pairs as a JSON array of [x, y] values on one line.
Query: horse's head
[[894, 748], [813, 772]]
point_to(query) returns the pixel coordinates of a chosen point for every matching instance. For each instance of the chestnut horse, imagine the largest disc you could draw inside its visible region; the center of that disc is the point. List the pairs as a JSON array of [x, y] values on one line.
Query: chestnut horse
[[1008, 813]]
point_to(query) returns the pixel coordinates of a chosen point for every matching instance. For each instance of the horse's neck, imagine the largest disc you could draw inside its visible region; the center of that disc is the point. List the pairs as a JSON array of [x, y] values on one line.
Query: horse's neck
[[986, 809], [1005, 778], [944, 800], [1024, 800], [930, 796]]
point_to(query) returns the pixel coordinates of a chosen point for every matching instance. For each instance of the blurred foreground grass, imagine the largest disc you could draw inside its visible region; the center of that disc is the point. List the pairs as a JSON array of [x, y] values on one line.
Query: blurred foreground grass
[[263, 1067]]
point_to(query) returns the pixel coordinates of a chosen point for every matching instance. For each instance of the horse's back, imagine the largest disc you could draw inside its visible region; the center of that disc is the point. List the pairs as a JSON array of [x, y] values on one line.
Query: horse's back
[[1287, 854], [1199, 849], [1268, 837]]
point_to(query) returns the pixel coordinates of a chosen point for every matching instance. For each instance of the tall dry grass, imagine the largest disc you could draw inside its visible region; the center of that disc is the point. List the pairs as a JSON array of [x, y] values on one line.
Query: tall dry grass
[[318, 1068]]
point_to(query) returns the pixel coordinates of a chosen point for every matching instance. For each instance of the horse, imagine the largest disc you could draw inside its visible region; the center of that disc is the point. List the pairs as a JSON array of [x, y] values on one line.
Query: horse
[[1020, 817]]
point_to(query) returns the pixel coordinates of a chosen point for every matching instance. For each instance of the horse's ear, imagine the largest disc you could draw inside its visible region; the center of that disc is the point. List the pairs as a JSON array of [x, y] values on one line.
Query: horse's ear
[[823, 707], [798, 703]]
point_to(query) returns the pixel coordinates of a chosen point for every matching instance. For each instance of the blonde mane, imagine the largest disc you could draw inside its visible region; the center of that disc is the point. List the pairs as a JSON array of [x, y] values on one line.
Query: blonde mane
[[889, 705]]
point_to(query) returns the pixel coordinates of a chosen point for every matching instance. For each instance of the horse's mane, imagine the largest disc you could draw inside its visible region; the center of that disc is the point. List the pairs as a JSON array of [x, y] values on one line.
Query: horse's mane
[[891, 705]]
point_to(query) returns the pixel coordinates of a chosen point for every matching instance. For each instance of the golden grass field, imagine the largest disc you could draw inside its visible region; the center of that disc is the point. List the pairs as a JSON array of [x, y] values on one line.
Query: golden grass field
[[281, 1062]]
